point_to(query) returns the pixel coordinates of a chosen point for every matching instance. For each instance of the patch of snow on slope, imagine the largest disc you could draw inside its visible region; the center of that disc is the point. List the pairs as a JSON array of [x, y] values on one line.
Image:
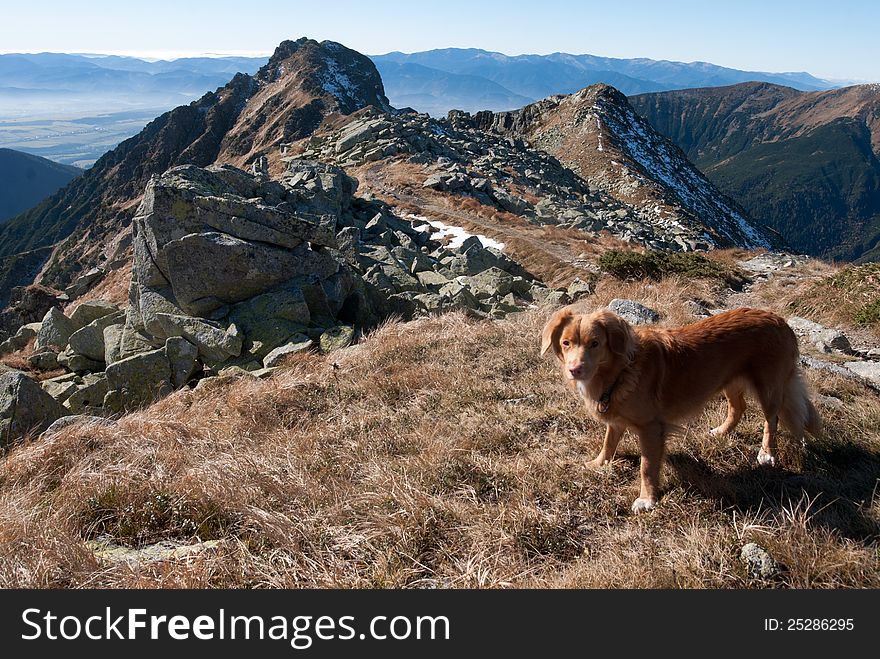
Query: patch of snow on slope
[[458, 234], [692, 189]]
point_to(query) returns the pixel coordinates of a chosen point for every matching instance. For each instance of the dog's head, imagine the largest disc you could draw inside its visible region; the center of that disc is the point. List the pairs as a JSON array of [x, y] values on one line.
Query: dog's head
[[585, 342]]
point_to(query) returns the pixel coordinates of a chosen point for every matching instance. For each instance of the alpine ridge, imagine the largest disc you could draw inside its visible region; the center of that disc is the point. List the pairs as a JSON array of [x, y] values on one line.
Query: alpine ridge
[[607, 170], [598, 134], [302, 83]]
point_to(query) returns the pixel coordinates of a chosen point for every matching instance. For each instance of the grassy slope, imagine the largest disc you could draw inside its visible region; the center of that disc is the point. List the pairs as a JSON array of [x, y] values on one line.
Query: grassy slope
[[443, 452], [820, 190], [27, 180]]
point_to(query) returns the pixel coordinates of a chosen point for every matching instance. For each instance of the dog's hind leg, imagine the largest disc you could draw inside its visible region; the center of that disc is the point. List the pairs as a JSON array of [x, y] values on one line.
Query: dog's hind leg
[[736, 406], [609, 446]]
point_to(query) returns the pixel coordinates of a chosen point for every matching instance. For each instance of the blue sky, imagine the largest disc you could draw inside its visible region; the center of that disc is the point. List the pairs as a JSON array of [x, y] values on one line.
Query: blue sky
[[829, 39]]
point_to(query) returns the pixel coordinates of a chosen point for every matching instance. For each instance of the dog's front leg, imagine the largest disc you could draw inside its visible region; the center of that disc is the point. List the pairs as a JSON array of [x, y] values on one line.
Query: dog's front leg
[[651, 441], [609, 446]]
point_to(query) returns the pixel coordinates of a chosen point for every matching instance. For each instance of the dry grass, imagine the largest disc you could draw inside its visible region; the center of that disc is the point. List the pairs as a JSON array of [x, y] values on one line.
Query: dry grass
[[439, 453], [849, 297]]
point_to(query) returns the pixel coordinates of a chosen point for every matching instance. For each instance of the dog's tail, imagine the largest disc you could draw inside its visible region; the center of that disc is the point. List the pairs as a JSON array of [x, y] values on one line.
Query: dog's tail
[[798, 412]]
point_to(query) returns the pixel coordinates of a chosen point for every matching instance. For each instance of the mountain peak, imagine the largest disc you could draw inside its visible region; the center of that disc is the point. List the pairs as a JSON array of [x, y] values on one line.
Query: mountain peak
[[346, 80]]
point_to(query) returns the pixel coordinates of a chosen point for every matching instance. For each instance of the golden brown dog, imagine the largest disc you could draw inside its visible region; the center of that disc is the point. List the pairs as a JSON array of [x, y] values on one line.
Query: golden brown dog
[[647, 380]]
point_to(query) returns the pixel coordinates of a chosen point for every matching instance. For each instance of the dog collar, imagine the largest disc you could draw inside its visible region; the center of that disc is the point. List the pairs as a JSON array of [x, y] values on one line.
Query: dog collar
[[604, 402]]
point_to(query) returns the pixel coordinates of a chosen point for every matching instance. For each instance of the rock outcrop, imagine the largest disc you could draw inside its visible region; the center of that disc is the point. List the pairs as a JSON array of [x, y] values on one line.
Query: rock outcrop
[[24, 408], [233, 272]]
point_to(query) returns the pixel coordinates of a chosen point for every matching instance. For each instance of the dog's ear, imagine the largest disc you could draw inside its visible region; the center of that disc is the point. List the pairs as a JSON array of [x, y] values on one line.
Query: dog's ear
[[553, 328], [621, 339]]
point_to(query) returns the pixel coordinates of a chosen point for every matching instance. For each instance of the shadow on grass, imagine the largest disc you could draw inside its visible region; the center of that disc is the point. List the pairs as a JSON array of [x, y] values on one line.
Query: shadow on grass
[[834, 489]]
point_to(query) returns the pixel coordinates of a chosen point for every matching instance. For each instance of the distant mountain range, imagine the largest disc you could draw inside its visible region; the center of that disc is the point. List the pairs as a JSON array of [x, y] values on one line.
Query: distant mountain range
[[42, 83], [27, 180], [471, 79], [436, 81], [807, 163]]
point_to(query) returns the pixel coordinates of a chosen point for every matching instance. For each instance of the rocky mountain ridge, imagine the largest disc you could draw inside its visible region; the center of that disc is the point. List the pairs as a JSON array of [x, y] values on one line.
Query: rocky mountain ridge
[[597, 134], [302, 83]]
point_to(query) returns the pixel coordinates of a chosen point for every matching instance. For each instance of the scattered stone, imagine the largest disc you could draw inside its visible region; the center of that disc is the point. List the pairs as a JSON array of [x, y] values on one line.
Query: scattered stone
[[633, 312], [579, 289], [830, 401], [90, 396], [759, 563], [60, 390], [166, 550], [79, 363], [21, 338], [90, 311], [296, 343], [140, 379], [867, 370], [45, 360]]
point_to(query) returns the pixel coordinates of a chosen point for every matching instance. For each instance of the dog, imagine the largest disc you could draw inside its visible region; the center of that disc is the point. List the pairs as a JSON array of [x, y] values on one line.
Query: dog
[[648, 380]]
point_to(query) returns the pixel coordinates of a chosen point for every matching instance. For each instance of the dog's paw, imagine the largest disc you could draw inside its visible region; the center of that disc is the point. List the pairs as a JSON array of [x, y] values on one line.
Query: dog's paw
[[716, 432], [643, 504], [598, 463], [766, 459]]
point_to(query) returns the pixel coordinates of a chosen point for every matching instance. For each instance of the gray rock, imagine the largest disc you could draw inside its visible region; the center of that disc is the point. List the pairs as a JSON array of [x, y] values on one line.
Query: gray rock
[[579, 289], [759, 563], [296, 343], [113, 343], [633, 312], [79, 363], [76, 420], [141, 379], [90, 311], [84, 282], [215, 344], [89, 396], [207, 270], [112, 554], [21, 338], [867, 370], [44, 361], [431, 279], [88, 342], [182, 357], [55, 330], [825, 339], [336, 338], [24, 407], [60, 390]]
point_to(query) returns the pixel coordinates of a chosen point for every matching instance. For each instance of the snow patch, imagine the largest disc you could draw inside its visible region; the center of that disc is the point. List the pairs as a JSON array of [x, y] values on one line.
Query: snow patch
[[336, 82], [458, 234]]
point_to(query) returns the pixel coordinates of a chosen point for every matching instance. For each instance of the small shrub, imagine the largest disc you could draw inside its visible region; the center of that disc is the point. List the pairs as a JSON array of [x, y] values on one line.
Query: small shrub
[[630, 266], [136, 519]]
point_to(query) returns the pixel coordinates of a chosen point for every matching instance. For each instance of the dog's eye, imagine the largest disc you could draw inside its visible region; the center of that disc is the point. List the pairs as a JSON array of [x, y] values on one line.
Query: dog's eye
[[566, 343], [594, 343]]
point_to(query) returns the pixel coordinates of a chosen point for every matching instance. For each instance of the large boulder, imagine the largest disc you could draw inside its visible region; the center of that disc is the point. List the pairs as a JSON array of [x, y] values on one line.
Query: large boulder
[[24, 407], [89, 396], [87, 312], [139, 380], [55, 330], [88, 341]]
